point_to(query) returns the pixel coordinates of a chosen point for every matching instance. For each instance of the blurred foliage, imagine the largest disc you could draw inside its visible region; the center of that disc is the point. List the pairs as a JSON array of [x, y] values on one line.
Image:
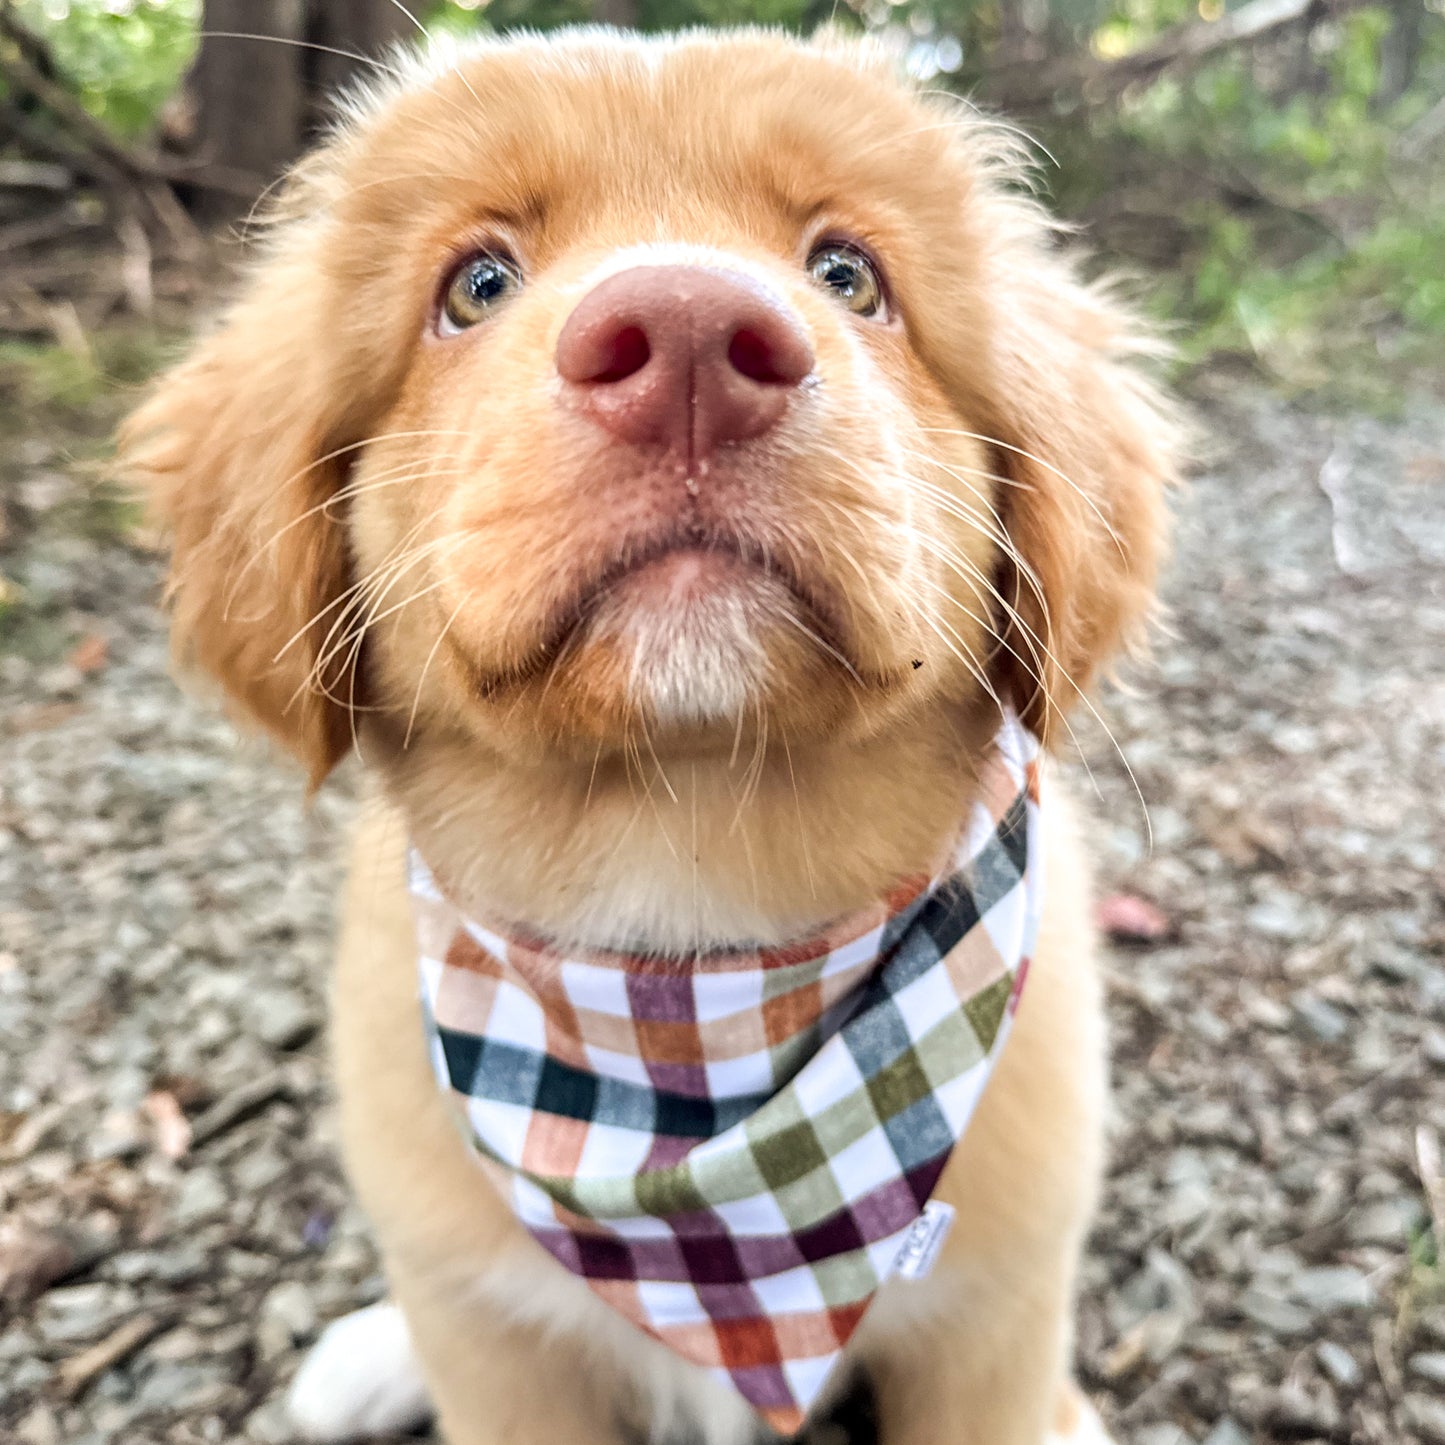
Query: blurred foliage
[[1283, 211], [1285, 203], [123, 58], [1425, 1284], [76, 395], [68, 385]]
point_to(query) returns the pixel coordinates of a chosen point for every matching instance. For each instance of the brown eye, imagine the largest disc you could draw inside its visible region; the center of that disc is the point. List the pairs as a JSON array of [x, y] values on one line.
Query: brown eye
[[475, 289], [851, 277]]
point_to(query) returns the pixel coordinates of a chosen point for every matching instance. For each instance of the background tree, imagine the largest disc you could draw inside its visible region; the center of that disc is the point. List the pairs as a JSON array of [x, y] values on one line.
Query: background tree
[[262, 72]]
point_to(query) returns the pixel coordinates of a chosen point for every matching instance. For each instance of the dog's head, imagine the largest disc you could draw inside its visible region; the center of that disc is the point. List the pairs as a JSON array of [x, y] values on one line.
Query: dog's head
[[710, 385]]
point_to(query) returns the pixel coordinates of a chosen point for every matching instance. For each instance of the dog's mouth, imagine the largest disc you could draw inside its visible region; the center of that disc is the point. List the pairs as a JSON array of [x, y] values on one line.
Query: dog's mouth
[[670, 580]]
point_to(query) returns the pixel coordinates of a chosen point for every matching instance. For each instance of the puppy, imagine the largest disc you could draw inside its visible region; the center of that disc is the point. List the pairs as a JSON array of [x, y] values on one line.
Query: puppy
[[687, 474]]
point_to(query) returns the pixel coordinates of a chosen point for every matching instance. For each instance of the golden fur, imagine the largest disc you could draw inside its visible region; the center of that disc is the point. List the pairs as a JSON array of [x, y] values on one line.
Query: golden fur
[[388, 539]]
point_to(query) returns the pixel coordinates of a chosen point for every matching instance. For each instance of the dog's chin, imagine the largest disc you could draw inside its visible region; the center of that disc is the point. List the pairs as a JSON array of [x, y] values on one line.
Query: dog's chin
[[697, 647], [694, 649], [689, 632]]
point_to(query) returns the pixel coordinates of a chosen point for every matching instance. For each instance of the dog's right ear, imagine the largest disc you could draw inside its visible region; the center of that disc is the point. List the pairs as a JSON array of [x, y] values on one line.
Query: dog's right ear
[[238, 452]]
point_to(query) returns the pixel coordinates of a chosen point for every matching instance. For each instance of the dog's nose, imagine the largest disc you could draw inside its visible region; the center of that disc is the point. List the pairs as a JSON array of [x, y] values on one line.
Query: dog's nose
[[686, 356]]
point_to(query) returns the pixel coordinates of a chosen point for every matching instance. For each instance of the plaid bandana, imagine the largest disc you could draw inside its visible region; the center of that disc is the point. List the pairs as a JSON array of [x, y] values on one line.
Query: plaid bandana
[[736, 1150]]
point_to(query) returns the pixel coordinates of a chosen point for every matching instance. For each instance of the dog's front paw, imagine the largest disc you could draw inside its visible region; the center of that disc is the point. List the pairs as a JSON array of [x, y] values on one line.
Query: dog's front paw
[[360, 1380], [1076, 1422]]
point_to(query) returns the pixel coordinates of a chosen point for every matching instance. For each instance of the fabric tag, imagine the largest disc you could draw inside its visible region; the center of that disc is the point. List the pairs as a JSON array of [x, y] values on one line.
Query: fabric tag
[[923, 1242]]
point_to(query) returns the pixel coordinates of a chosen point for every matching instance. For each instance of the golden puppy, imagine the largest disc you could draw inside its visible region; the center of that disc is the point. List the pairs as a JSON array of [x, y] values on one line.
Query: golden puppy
[[664, 462]]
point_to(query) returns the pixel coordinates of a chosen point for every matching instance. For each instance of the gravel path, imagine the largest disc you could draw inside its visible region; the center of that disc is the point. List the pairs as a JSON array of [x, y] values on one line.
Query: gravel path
[[173, 1228]]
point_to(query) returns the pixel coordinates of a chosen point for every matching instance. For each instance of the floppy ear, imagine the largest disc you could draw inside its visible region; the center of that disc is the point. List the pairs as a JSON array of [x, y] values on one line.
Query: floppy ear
[[1088, 445], [234, 454]]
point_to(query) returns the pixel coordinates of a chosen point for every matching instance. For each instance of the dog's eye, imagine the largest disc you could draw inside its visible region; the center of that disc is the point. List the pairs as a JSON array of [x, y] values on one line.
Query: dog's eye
[[851, 276], [477, 285]]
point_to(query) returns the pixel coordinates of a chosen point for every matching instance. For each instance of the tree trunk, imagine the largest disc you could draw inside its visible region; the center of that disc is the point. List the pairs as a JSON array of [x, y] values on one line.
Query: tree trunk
[[362, 27], [1013, 34], [1400, 52], [262, 75], [624, 14], [249, 93]]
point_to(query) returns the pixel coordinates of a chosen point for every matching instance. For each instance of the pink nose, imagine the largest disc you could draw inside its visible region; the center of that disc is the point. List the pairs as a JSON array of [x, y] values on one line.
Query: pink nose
[[683, 356]]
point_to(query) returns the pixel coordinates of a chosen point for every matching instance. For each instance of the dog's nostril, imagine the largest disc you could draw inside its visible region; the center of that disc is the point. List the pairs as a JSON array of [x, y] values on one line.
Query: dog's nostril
[[757, 358], [628, 353]]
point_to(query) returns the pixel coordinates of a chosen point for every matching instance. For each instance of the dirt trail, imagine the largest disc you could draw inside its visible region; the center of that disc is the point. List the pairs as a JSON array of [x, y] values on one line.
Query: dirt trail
[[1264, 1268]]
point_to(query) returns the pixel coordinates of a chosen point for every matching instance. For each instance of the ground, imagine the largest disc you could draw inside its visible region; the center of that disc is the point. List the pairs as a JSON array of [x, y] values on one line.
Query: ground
[[173, 1227]]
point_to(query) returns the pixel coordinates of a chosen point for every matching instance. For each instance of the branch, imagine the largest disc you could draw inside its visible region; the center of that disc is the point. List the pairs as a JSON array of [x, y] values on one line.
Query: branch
[[25, 72], [67, 221], [1075, 80], [112, 158], [25, 175]]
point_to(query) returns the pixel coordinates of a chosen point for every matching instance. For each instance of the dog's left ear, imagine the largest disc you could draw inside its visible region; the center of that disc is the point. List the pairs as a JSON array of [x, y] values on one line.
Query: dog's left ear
[[238, 453], [242, 454], [1087, 445]]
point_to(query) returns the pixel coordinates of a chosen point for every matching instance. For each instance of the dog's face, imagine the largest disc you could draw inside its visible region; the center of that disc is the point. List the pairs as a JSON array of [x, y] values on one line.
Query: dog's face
[[686, 390]]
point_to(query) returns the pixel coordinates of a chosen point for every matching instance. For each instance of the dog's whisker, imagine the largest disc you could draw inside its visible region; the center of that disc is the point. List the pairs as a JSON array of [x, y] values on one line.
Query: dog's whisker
[[656, 761], [288, 482], [592, 777], [1049, 467], [368, 611], [996, 532], [1037, 647], [398, 476], [426, 666], [431, 40], [294, 43], [822, 644], [664, 832], [798, 812], [350, 594], [1026, 573]]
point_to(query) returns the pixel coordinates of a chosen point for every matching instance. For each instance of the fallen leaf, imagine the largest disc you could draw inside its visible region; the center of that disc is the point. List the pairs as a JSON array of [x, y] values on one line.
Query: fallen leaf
[[32, 1131], [31, 1261], [191, 1092], [1127, 1353], [90, 653], [1246, 839], [1127, 919], [173, 1129], [1432, 1176]]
